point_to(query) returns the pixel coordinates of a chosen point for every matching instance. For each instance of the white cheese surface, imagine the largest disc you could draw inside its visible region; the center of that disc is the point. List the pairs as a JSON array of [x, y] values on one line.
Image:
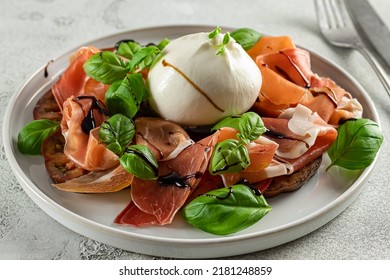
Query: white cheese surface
[[193, 85]]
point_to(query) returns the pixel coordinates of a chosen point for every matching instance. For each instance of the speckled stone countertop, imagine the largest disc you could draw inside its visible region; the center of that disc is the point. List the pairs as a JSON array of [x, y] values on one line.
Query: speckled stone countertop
[[34, 31]]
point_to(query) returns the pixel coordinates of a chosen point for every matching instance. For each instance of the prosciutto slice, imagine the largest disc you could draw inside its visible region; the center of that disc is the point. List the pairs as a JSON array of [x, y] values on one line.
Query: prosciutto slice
[[182, 164], [178, 177], [131, 215], [75, 81], [293, 64], [301, 137], [288, 80], [332, 103], [83, 147], [111, 180], [164, 139]]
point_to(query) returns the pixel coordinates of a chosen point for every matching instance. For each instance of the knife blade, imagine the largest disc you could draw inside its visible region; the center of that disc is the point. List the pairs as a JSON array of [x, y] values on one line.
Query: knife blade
[[372, 27]]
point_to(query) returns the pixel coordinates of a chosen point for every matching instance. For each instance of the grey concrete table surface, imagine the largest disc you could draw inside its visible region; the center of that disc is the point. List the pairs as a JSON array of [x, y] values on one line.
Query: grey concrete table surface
[[34, 31]]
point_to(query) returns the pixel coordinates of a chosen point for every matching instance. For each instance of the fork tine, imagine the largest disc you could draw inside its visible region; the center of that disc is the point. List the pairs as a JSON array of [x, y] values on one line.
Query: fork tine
[[321, 15], [345, 17], [326, 14], [334, 9], [332, 14]]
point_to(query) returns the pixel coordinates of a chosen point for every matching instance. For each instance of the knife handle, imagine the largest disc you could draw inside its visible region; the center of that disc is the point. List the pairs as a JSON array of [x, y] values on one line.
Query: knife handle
[[379, 70]]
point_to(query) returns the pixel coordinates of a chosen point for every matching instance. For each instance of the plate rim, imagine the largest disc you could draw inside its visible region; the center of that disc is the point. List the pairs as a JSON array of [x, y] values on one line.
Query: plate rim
[[51, 207]]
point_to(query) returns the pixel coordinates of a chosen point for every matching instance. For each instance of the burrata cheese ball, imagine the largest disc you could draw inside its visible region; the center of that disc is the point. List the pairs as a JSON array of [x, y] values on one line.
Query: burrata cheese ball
[[196, 83]]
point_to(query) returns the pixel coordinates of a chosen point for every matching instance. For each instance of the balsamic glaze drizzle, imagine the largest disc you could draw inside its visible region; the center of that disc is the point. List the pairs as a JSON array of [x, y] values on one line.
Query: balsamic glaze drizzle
[[254, 189], [278, 135], [195, 86], [174, 178], [117, 44], [122, 41], [89, 121], [230, 192], [46, 72]]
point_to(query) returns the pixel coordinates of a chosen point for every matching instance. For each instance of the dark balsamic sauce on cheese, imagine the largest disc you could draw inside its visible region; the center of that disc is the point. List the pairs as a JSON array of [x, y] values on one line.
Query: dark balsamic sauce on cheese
[[195, 86]]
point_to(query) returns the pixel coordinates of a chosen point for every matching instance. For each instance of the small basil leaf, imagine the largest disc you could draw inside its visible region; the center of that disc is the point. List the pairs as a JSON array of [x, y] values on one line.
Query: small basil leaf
[[125, 96], [246, 37], [128, 48], [106, 67], [146, 53], [357, 144], [32, 135], [117, 133], [163, 43], [215, 32], [225, 41], [139, 161], [232, 121], [226, 210], [226, 38], [229, 156], [251, 127]]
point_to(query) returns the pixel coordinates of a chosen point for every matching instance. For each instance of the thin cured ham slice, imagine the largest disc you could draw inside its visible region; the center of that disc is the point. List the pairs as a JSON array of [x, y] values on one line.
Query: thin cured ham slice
[[261, 153], [292, 64], [82, 144], [157, 201], [178, 178], [277, 89], [301, 137], [110, 180], [131, 215], [74, 80], [330, 101], [288, 80], [59, 167], [164, 139], [96, 89], [297, 130], [270, 44]]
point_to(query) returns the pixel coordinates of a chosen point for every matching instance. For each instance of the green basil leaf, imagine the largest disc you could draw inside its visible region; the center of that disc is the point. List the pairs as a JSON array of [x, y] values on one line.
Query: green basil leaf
[[232, 121], [144, 56], [163, 43], [229, 156], [128, 48], [226, 38], [226, 210], [117, 133], [251, 127], [357, 144], [32, 135], [215, 32], [139, 161], [125, 96], [246, 37], [106, 67]]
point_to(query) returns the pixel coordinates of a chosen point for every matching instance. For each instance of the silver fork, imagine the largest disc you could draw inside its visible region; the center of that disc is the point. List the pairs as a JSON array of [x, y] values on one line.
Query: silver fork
[[337, 27]]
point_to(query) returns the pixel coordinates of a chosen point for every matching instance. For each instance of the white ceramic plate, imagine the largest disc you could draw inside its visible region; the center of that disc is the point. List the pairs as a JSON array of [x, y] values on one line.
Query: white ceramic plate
[[294, 215]]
